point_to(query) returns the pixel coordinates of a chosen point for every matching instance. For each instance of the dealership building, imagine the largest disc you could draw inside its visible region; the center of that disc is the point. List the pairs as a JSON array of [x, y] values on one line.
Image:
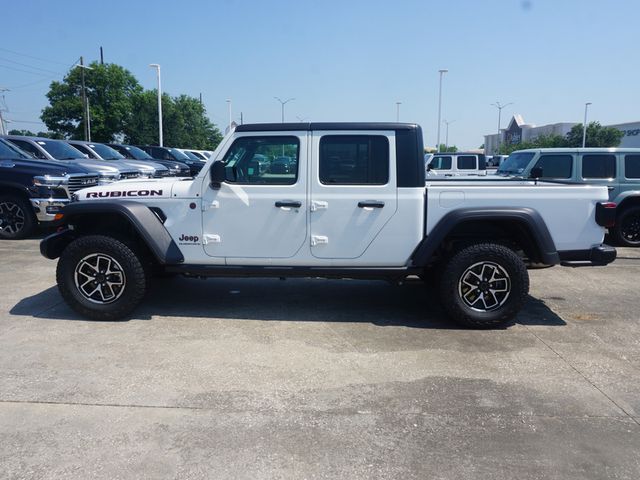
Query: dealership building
[[518, 131]]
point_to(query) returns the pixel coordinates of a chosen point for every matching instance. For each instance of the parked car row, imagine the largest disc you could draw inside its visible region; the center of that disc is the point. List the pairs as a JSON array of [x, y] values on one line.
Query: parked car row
[[39, 175]]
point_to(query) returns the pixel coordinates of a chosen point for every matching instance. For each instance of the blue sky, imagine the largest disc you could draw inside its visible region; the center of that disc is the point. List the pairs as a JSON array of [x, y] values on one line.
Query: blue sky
[[348, 60]]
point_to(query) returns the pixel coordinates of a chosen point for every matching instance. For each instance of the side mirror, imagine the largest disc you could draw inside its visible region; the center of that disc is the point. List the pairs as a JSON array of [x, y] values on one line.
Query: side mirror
[[536, 172], [217, 174], [428, 167]]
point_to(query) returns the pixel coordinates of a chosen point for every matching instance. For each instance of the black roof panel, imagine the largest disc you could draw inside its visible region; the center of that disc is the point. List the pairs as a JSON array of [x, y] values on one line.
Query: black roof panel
[[282, 127]]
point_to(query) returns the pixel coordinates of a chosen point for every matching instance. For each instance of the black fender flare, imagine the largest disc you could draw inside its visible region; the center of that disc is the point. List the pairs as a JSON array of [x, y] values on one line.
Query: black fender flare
[[527, 217], [143, 220]]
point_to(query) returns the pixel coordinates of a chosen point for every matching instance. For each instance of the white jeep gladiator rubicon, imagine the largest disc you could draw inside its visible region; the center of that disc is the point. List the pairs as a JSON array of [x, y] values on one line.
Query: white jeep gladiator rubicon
[[332, 200]]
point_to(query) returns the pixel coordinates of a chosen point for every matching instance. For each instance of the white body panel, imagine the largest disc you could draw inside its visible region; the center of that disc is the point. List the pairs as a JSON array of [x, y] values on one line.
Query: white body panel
[[568, 210], [240, 225]]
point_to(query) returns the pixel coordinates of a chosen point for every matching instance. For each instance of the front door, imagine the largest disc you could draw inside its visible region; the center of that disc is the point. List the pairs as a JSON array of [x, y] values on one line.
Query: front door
[[353, 191], [260, 211]]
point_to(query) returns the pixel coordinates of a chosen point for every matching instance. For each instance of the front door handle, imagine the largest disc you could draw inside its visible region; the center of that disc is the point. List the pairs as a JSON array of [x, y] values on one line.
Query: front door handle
[[288, 204], [371, 204]]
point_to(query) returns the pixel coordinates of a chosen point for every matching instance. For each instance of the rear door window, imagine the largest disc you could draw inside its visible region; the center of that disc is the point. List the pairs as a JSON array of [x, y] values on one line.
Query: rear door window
[[632, 166], [556, 166], [598, 166], [466, 162], [354, 160]]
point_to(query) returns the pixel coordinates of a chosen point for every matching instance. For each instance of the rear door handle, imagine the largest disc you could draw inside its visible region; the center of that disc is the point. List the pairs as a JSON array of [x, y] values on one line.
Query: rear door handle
[[371, 204], [288, 204]]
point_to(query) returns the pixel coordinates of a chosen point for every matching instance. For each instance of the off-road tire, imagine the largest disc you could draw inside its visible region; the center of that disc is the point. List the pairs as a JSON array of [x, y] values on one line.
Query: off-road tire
[[85, 249], [509, 272], [627, 229], [22, 214]]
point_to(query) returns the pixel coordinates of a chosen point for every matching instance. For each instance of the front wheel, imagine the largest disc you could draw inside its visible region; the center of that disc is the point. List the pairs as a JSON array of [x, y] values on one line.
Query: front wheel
[[101, 278], [17, 219], [627, 229], [484, 286]]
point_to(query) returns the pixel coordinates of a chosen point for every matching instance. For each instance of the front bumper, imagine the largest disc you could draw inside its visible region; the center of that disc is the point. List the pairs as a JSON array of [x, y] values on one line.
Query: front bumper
[[597, 256], [47, 208]]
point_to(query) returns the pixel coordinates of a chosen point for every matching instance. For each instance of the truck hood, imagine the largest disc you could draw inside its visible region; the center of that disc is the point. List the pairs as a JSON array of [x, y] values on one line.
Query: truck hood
[[130, 189], [42, 167]]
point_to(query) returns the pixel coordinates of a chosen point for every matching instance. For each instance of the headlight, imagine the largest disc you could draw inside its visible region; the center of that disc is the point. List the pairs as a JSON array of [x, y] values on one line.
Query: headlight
[[49, 181], [106, 178]]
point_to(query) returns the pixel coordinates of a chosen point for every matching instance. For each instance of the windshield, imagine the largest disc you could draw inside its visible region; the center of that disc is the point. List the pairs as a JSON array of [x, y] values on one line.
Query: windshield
[[137, 153], [60, 150], [8, 151], [105, 152], [178, 155], [191, 155], [516, 163]]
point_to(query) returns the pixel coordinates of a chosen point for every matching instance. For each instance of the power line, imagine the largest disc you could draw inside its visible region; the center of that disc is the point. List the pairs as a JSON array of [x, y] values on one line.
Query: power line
[[31, 56], [29, 66], [27, 71]]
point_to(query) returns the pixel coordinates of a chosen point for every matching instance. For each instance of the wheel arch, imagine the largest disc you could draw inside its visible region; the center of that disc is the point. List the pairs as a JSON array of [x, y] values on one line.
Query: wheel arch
[[522, 226], [628, 200], [116, 219]]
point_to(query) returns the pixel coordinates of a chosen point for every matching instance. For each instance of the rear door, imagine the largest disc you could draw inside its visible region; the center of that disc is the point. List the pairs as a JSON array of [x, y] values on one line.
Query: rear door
[[353, 191]]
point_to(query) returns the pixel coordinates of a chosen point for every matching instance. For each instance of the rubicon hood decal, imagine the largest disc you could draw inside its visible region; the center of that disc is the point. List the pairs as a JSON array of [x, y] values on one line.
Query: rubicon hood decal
[[125, 193], [129, 189]]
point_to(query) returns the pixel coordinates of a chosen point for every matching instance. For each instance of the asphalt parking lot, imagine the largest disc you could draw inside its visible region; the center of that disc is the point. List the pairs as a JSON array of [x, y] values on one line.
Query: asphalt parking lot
[[319, 379]]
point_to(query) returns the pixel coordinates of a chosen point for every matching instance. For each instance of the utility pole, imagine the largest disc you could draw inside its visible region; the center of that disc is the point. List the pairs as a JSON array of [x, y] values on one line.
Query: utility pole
[[283, 103], [200, 98], [241, 118], [584, 125], [101, 57], [85, 106], [499, 106], [398, 111], [442, 72], [229, 105], [3, 127]]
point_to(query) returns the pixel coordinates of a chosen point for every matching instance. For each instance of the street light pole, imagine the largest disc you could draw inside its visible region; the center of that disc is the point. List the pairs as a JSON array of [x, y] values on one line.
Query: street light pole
[[446, 136], [442, 72], [283, 103], [398, 111], [229, 108], [157, 67], [499, 106], [584, 125]]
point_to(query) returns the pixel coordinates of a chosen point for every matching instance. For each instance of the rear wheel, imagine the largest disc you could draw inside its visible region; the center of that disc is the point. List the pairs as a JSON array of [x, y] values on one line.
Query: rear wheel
[[484, 286], [17, 219], [627, 229], [101, 277]]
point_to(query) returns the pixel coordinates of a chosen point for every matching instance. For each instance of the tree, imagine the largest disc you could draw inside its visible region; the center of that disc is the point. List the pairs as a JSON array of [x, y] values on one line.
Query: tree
[[29, 133], [542, 141], [184, 122], [597, 136], [448, 148], [110, 89]]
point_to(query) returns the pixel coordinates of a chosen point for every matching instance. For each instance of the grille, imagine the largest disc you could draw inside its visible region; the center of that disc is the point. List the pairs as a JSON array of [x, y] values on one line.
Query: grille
[[78, 182], [162, 173]]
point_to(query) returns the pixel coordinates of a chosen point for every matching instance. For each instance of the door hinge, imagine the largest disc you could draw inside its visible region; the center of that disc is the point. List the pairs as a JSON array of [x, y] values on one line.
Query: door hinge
[[319, 205], [211, 239], [319, 240]]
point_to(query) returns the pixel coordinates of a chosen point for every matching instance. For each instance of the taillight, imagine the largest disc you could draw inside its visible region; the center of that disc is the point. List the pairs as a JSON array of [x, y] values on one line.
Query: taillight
[[606, 214]]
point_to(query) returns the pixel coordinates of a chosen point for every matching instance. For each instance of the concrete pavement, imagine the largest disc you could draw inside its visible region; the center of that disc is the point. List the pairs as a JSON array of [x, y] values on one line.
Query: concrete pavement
[[251, 378]]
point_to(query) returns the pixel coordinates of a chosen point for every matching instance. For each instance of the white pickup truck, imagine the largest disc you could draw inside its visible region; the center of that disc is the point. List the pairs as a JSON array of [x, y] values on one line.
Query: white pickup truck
[[333, 200]]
